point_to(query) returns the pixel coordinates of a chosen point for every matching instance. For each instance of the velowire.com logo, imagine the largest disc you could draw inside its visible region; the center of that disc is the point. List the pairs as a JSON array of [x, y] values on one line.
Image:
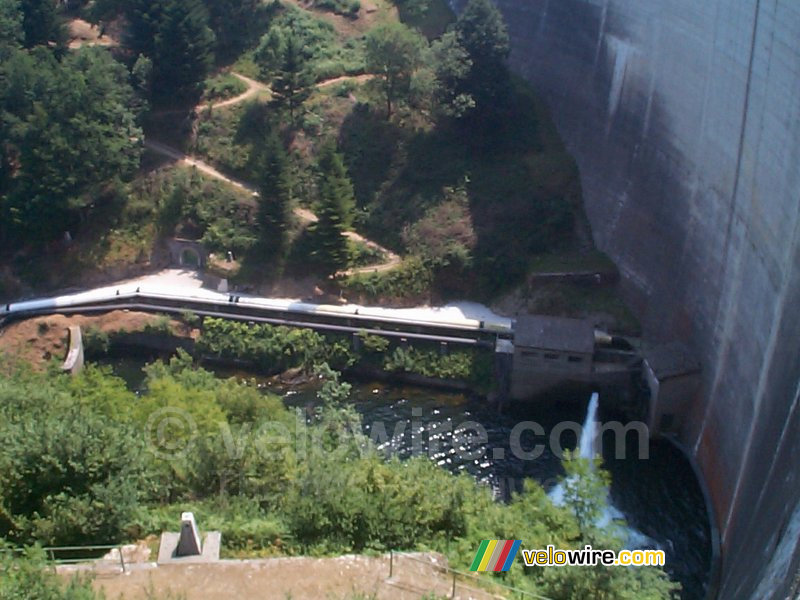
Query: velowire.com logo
[[495, 555]]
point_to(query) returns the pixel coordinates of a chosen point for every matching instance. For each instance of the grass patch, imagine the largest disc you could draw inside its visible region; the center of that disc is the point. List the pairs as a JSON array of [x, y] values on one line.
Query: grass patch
[[362, 255], [223, 86]]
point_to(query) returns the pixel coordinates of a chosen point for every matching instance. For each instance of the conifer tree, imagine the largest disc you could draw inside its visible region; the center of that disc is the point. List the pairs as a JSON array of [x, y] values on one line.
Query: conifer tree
[[183, 52], [275, 185], [175, 36], [335, 210], [292, 83], [41, 24]]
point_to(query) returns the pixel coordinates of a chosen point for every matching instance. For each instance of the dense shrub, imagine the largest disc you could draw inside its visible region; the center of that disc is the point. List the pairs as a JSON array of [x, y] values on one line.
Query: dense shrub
[[24, 576], [272, 348], [324, 53], [411, 279]]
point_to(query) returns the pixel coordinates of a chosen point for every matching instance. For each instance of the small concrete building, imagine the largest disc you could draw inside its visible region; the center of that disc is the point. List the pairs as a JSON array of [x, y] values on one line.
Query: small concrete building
[[549, 349], [672, 375]]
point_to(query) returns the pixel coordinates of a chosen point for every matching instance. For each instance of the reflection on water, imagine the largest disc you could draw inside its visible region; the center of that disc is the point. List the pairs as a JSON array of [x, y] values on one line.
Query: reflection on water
[[658, 496]]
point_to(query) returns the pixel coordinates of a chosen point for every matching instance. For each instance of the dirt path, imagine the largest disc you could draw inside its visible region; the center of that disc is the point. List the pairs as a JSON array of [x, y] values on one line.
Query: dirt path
[[253, 89], [201, 166], [342, 78], [305, 215]]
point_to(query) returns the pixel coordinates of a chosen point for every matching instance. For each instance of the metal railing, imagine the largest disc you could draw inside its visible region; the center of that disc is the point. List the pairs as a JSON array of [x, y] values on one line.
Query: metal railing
[[77, 554], [480, 583], [53, 551]]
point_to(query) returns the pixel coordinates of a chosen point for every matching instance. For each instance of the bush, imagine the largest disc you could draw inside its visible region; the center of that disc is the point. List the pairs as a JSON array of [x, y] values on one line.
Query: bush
[[471, 366], [74, 468], [411, 279], [273, 348], [161, 325], [346, 8], [186, 203], [26, 576], [373, 344], [95, 341], [326, 54], [76, 478]]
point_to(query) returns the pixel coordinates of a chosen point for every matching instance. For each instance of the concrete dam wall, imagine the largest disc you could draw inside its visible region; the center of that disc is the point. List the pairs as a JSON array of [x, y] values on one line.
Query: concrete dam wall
[[684, 118]]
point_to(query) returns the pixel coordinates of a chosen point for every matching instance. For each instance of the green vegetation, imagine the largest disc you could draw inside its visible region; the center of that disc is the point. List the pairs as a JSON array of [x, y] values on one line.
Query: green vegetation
[[393, 52], [69, 131], [362, 255], [347, 8], [335, 211], [272, 349], [236, 24], [438, 154], [481, 31], [186, 203], [274, 203], [272, 483], [322, 52], [411, 280], [40, 23], [174, 35], [430, 17], [25, 576], [222, 87], [468, 365]]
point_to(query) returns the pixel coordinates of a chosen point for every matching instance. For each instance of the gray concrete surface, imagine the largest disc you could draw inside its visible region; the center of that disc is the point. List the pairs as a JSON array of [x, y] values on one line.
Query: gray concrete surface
[[685, 122]]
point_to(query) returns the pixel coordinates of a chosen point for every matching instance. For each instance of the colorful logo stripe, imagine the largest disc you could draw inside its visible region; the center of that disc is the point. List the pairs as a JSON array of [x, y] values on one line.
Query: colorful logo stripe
[[495, 555]]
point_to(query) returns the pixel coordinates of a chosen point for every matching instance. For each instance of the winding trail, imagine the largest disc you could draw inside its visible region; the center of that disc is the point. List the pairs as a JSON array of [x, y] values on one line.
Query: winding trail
[[304, 214], [253, 89]]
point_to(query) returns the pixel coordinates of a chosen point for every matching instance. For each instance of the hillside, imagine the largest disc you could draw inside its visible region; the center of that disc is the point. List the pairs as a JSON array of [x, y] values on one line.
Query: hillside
[[461, 175]]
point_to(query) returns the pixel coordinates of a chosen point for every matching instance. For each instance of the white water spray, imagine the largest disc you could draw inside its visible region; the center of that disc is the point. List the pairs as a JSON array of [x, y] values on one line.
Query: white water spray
[[611, 516], [586, 445]]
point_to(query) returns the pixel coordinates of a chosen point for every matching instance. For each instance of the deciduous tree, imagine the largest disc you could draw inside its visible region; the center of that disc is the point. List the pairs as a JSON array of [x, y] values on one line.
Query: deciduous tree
[[393, 53], [71, 131], [482, 32], [11, 32]]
